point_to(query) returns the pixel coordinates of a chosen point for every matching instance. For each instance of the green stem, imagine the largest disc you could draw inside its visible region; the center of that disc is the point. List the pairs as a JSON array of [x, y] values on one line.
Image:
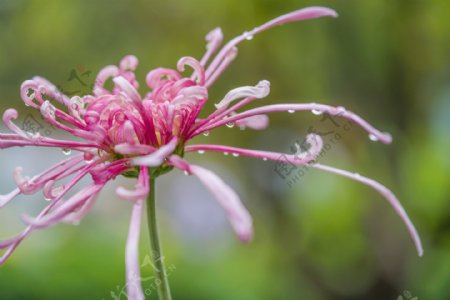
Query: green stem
[[161, 281]]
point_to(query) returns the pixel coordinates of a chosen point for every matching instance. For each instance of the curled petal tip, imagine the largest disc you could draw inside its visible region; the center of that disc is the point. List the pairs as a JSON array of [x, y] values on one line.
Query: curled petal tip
[[129, 62], [10, 114]]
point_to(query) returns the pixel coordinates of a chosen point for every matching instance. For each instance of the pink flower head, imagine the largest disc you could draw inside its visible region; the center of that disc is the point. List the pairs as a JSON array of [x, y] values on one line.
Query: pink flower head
[[120, 132]]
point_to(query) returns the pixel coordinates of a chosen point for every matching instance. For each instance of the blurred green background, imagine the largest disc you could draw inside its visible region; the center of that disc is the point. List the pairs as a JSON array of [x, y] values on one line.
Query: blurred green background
[[320, 237]]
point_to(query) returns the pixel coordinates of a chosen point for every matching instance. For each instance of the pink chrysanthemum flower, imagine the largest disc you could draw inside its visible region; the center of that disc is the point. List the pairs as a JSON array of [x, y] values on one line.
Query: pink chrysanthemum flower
[[122, 133]]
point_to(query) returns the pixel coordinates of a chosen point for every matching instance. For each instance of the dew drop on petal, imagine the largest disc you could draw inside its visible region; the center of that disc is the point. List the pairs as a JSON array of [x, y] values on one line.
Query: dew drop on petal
[[186, 173], [264, 159], [317, 112], [206, 133], [66, 151], [51, 111], [235, 154], [373, 137], [341, 109], [201, 151], [47, 199], [230, 124], [88, 157], [291, 111], [225, 153], [248, 36]]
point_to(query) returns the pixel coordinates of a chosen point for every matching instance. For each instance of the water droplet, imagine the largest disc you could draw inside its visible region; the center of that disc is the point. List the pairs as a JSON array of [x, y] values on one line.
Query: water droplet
[[76, 103], [357, 175], [291, 111], [235, 154], [225, 153], [230, 124], [264, 158], [50, 110], [88, 157], [66, 151], [317, 112], [373, 137], [186, 173], [201, 151], [341, 110], [206, 133], [47, 199], [248, 36]]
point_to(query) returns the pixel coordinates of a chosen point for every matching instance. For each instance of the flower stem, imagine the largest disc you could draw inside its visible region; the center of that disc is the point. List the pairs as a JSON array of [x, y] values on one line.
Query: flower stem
[[161, 281]]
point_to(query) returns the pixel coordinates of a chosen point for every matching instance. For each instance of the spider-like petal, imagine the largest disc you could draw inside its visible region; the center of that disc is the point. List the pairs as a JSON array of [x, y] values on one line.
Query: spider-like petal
[[141, 190], [156, 158], [386, 193], [314, 107], [300, 158], [237, 214], [133, 274], [256, 122]]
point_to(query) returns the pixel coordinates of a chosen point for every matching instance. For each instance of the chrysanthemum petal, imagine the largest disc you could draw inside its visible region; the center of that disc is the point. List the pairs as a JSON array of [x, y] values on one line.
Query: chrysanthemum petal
[[298, 15], [63, 210], [214, 38], [238, 215], [261, 90], [141, 190], [300, 158], [256, 122], [386, 193], [133, 273], [318, 108], [156, 158]]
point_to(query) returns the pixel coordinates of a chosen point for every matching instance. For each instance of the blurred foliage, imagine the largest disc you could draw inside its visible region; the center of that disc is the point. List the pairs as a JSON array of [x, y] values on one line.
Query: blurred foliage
[[322, 237]]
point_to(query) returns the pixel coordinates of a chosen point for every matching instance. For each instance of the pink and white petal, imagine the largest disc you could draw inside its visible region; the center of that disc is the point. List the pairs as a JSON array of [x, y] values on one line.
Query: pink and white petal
[[259, 91], [8, 116], [386, 193], [75, 218], [51, 90], [298, 15], [374, 133], [133, 273], [199, 72], [141, 190], [214, 38], [104, 74], [5, 199], [156, 158], [312, 12], [300, 158], [237, 214], [128, 89], [128, 149], [129, 63], [65, 209], [13, 243], [213, 74], [256, 122]]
